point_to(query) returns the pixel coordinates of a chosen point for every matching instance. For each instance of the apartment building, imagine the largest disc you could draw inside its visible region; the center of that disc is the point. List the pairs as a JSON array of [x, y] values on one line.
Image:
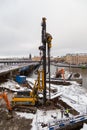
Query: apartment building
[[80, 58]]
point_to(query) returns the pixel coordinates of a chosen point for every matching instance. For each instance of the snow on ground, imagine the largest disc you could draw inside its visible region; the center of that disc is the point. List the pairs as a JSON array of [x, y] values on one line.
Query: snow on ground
[[84, 127], [14, 86], [74, 95], [26, 115], [40, 117], [6, 68]]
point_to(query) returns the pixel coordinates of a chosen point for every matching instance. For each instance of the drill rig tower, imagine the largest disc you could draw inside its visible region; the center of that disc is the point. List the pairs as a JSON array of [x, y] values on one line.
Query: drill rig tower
[[46, 41]]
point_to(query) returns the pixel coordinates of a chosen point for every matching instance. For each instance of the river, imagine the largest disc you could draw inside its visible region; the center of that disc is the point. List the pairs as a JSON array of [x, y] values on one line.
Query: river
[[83, 72]]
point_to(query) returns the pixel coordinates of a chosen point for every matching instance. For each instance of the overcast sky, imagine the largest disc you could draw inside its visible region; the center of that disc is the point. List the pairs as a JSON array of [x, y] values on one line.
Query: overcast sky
[[20, 26]]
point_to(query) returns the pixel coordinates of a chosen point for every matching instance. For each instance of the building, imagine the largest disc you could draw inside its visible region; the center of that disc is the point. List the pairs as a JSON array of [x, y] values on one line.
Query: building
[[80, 58], [36, 58], [58, 59]]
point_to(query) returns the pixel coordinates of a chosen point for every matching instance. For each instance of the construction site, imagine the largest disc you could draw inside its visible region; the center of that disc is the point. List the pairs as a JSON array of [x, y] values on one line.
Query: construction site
[[42, 104]]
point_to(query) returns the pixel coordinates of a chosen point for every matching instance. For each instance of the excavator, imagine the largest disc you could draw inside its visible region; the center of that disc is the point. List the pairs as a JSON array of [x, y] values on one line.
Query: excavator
[[60, 73], [4, 96]]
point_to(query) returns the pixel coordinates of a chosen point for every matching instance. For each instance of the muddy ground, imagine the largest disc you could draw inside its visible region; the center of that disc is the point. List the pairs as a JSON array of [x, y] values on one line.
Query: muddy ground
[[11, 121], [7, 122]]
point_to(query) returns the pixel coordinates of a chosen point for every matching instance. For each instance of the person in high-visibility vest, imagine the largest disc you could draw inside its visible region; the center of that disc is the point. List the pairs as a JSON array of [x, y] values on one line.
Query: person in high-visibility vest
[[66, 113]]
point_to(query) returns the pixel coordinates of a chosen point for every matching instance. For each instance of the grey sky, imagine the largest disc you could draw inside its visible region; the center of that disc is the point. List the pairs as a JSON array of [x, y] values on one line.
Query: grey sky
[[20, 26]]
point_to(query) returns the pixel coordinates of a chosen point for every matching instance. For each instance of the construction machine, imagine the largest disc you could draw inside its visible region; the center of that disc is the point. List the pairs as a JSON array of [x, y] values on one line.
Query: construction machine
[[32, 98], [29, 99], [60, 73], [4, 96]]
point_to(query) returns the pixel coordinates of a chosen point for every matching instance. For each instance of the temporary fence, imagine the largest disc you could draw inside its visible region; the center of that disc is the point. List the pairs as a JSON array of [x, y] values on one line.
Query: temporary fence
[[66, 122]]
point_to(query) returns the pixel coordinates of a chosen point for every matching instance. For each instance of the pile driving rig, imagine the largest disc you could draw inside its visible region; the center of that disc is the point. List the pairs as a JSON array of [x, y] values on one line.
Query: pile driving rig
[[32, 98]]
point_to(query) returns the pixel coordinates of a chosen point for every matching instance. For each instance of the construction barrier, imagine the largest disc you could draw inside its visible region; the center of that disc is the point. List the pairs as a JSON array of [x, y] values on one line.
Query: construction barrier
[[67, 122]]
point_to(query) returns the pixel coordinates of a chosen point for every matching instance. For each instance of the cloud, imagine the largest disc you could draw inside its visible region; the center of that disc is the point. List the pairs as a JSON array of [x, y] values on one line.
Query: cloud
[[20, 26]]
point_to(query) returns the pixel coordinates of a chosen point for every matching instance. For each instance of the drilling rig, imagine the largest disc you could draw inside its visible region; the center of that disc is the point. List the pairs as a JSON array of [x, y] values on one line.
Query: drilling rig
[[32, 98], [46, 41]]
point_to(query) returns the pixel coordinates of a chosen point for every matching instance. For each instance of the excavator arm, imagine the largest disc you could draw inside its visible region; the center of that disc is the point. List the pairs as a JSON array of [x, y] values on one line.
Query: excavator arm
[[61, 72], [4, 96]]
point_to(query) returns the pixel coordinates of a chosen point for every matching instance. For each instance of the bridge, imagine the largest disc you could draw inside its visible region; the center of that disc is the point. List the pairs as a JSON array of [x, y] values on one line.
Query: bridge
[[9, 71], [18, 60]]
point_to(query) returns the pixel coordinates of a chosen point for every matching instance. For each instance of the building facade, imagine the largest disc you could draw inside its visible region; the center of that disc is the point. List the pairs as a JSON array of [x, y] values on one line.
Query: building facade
[[80, 58]]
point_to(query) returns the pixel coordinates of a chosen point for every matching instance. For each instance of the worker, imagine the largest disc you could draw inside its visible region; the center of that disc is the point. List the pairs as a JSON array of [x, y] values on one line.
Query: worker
[[66, 113]]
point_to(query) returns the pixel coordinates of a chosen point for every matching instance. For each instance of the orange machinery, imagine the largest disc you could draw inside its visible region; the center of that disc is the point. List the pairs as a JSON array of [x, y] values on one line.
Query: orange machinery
[[60, 73], [4, 96]]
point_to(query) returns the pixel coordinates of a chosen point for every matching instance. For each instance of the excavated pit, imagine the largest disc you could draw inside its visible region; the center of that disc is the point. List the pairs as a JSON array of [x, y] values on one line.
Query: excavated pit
[[16, 122]]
